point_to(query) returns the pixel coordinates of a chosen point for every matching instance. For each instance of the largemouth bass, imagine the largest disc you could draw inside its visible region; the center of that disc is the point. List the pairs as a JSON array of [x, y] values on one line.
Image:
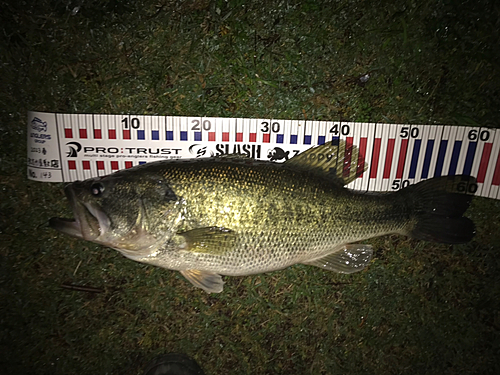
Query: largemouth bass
[[237, 216]]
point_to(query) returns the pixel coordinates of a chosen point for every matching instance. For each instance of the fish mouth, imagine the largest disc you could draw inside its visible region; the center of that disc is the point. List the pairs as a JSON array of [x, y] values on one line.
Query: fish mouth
[[90, 221]]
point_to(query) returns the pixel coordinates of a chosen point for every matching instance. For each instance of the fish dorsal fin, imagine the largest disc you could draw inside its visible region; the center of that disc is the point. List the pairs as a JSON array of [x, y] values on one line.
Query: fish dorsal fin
[[336, 160], [235, 157]]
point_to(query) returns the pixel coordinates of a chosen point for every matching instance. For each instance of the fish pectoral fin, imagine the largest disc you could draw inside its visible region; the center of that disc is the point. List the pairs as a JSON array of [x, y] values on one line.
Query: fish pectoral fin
[[210, 240], [348, 259], [208, 281]]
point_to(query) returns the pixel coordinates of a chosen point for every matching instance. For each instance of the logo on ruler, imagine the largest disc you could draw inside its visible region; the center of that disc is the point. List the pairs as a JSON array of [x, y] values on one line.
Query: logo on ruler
[[277, 153], [39, 133], [38, 125], [200, 150], [73, 151], [252, 151]]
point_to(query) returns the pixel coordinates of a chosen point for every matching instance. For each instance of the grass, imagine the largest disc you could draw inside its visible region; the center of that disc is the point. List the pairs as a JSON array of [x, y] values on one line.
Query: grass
[[419, 308]]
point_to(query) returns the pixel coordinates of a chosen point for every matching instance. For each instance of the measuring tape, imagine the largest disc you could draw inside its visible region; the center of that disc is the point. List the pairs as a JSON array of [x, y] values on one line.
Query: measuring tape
[[69, 147]]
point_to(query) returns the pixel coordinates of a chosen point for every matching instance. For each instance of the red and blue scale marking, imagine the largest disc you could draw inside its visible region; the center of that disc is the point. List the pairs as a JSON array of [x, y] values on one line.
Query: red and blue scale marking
[[387, 159]]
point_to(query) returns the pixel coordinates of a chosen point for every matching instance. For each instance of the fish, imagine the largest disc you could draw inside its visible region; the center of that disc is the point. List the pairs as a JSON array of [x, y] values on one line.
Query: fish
[[232, 215]]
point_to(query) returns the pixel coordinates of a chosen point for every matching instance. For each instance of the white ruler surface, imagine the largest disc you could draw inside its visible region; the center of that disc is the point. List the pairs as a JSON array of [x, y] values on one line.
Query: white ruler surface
[[69, 147]]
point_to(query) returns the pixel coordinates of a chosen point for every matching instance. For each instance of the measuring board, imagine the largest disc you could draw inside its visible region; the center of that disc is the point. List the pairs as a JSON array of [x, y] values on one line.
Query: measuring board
[[69, 147]]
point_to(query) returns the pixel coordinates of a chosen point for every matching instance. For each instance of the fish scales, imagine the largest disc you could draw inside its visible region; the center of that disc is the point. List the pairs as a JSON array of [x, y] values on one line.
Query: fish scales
[[280, 216]]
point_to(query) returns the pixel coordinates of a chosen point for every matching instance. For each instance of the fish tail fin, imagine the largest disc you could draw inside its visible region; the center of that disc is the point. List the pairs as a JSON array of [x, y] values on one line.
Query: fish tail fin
[[438, 207]]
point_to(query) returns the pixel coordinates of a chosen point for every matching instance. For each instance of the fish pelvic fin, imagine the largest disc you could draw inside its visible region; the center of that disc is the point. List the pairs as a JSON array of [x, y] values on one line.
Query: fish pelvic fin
[[336, 160], [438, 205], [348, 259], [208, 281]]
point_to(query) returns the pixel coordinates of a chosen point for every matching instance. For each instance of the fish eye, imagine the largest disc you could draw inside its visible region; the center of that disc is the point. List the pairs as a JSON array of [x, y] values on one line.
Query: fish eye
[[97, 189]]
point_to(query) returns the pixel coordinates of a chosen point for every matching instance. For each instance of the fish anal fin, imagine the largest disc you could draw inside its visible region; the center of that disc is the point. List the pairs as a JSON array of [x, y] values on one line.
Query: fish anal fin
[[348, 259], [208, 281]]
